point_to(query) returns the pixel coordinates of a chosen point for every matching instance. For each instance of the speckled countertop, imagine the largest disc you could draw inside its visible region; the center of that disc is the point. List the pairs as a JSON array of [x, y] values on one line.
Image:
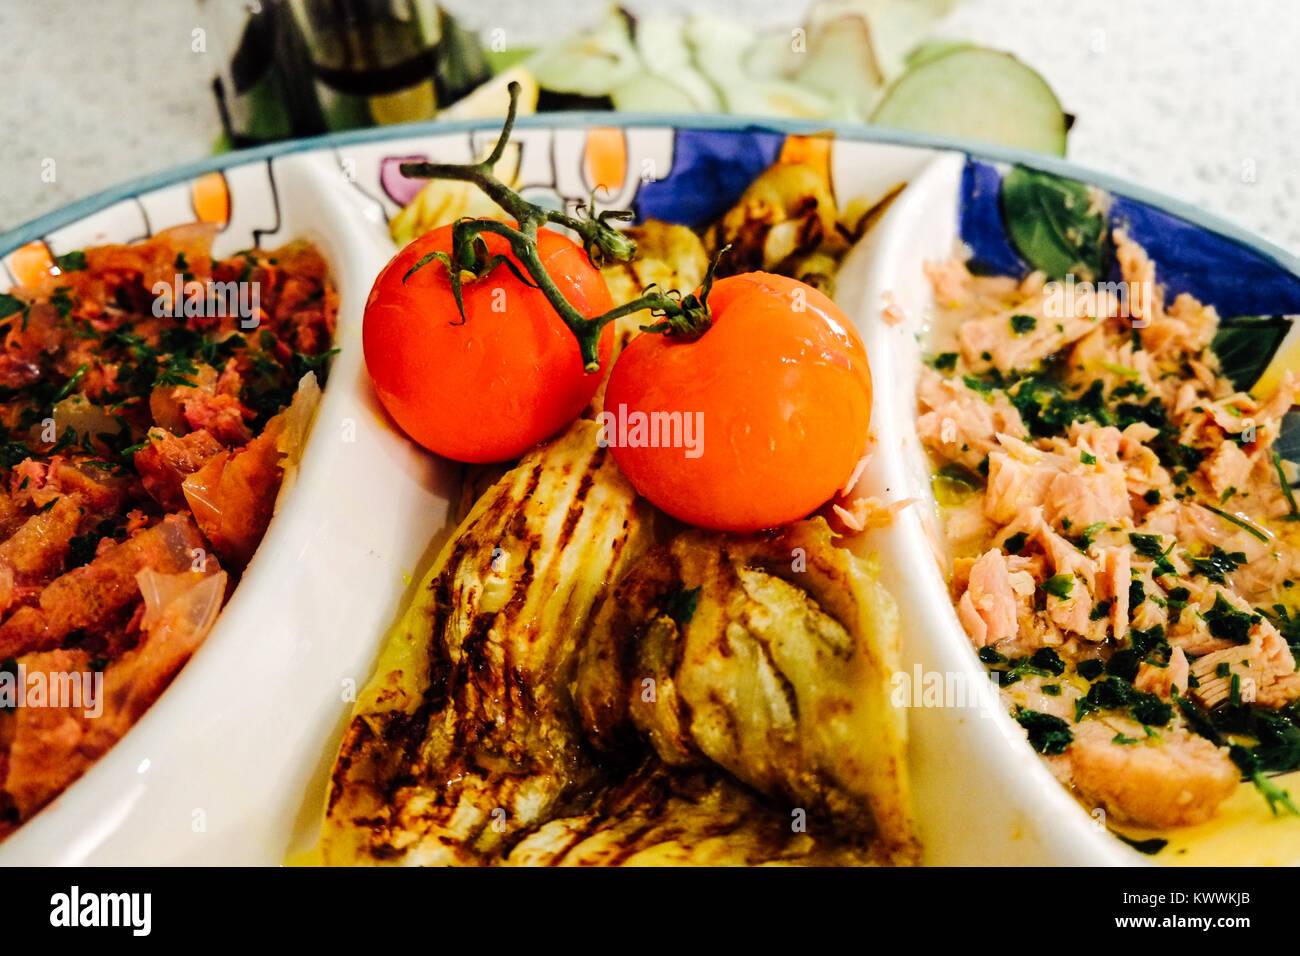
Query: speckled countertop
[[1196, 98]]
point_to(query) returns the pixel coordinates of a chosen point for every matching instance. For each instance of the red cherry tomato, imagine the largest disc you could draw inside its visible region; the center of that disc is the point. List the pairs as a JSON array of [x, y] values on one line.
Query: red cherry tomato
[[777, 394], [490, 386]]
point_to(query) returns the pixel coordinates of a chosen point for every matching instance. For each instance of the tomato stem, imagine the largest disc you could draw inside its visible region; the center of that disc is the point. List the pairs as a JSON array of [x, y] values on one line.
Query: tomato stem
[[680, 315]]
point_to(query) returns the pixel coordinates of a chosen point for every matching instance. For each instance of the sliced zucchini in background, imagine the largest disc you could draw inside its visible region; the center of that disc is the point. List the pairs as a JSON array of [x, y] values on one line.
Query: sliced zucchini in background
[[895, 26], [841, 65], [980, 95], [591, 64], [933, 49], [653, 94], [661, 44], [719, 46]]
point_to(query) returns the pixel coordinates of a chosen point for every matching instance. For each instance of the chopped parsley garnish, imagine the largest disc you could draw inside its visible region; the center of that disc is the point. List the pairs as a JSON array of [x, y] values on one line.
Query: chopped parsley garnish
[[1149, 546], [1047, 734], [1116, 693], [680, 605], [961, 475], [1149, 642], [1059, 585], [1046, 410], [945, 361], [176, 371], [1016, 543], [1239, 522], [1227, 623], [1137, 593], [1090, 669], [72, 262], [1046, 658], [81, 549], [1175, 601], [73, 381], [1084, 541], [1123, 664], [1149, 847], [11, 305], [984, 385], [1216, 564], [61, 301], [1250, 765], [1288, 625], [1087, 459], [1023, 324], [1293, 513]]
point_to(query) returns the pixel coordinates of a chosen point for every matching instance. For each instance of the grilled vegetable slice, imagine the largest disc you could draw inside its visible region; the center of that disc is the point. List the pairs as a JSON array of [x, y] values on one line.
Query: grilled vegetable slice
[[466, 735], [662, 816], [770, 655]]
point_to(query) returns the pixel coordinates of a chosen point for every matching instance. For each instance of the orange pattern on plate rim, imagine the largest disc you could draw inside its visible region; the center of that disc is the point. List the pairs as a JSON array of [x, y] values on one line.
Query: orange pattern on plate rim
[[604, 159], [210, 196]]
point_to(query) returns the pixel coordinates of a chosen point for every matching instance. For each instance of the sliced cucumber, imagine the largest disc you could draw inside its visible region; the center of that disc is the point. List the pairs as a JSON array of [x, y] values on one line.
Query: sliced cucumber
[[652, 93], [977, 94], [661, 44], [933, 49], [718, 46], [841, 65], [591, 64]]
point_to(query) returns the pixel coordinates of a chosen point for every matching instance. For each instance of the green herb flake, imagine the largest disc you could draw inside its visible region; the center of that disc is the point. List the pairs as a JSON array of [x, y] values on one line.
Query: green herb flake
[[1059, 585], [1023, 324], [1047, 659], [1227, 623], [1047, 734], [1216, 564], [71, 262], [680, 605]]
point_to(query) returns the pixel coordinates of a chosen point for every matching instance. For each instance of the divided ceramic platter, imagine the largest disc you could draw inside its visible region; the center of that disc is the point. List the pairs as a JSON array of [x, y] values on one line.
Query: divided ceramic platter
[[230, 765]]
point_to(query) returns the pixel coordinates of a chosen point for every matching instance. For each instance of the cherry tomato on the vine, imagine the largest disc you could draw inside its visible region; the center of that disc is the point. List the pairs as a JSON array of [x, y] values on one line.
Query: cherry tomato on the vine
[[778, 394], [509, 375]]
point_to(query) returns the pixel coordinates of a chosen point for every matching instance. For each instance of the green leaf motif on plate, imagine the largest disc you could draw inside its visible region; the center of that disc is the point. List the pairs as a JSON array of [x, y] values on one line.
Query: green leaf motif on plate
[[1055, 224], [1245, 344]]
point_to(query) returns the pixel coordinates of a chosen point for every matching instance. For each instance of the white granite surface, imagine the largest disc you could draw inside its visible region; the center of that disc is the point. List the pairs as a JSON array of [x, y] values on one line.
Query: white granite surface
[[1197, 98]]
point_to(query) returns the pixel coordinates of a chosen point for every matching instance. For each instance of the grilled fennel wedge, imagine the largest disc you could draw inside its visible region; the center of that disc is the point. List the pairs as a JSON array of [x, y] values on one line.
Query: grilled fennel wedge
[[668, 816], [769, 655], [465, 738]]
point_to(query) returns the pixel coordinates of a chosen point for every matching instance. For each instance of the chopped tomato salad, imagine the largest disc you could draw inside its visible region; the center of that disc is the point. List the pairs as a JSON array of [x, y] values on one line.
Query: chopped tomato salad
[[149, 394]]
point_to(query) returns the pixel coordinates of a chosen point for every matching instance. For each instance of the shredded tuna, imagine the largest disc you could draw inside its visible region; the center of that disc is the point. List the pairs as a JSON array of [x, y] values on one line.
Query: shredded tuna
[[1126, 510]]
